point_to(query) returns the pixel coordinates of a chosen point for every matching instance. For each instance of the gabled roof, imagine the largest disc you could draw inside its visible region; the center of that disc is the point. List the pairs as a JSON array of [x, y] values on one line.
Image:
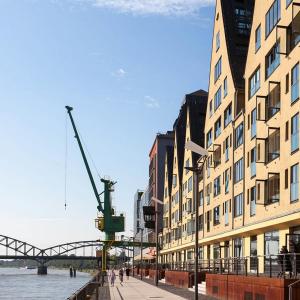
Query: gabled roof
[[237, 40]]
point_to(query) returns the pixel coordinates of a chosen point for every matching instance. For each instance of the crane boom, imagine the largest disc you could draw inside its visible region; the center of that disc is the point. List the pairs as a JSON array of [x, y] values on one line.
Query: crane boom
[[99, 207]]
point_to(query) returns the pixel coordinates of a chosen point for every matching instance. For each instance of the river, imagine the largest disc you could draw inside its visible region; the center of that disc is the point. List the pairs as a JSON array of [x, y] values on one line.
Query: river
[[25, 284]]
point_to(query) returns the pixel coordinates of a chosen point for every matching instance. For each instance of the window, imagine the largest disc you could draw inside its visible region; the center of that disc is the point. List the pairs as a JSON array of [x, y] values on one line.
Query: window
[[227, 179], [208, 189], [294, 182], [218, 127], [217, 156], [174, 181], [295, 83], [209, 138], [239, 170], [271, 249], [217, 98], [257, 38], [253, 162], [273, 189], [272, 16], [217, 186], [238, 248], [226, 212], [253, 123], [273, 103], [210, 108], [208, 215], [238, 205], [218, 41], [273, 145], [272, 60], [190, 184], [225, 87], [187, 164], [218, 69], [295, 133], [253, 253], [228, 115], [217, 215], [226, 149], [239, 135], [254, 84], [200, 222], [200, 198], [253, 201]]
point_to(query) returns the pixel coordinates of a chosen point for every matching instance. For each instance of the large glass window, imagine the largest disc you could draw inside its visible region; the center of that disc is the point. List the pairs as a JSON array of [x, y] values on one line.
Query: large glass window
[[227, 179], [272, 60], [209, 138], [238, 247], [238, 205], [239, 170], [273, 189], [225, 87], [253, 123], [253, 201], [217, 215], [253, 253], [272, 16], [295, 83], [226, 212], [239, 135], [257, 38], [210, 108], [218, 127], [253, 162], [295, 182], [271, 249], [217, 41], [217, 98], [273, 145], [295, 133], [254, 84], [218, 69], [228, 115], [217, 186], [227, 144]]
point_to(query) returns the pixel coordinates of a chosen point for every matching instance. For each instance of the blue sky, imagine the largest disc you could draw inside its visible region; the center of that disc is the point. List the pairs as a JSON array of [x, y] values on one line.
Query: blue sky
[[124, 66]]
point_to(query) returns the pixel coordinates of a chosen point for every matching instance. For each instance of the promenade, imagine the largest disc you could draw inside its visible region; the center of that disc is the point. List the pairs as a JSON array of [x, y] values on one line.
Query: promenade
[[136, 289]]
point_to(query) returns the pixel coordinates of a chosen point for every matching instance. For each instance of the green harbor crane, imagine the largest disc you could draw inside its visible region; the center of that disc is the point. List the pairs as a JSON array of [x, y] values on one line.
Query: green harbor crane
[[108, 222]]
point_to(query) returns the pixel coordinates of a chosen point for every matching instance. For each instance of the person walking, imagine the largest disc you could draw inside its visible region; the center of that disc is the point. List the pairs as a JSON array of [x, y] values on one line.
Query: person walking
[[112, 277], [127, 272], [121, 273]]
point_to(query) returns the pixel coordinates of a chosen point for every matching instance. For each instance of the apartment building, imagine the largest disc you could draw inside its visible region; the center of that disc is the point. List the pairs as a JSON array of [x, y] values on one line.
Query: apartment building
[[157, 154], [178, 233], [249, 193]]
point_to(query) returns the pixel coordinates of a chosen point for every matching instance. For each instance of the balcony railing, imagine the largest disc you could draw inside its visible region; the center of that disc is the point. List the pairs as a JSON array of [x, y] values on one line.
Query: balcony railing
[[277, 266]]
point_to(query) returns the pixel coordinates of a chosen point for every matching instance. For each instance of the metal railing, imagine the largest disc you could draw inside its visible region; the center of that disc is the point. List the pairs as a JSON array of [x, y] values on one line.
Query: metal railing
[[273, 266]]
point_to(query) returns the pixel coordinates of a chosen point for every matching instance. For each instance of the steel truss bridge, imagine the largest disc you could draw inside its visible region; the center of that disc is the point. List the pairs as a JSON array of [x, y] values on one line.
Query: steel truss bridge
[[11, 248]]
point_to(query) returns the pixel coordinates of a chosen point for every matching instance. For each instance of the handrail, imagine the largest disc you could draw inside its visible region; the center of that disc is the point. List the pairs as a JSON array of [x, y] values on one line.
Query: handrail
[[290, 286]]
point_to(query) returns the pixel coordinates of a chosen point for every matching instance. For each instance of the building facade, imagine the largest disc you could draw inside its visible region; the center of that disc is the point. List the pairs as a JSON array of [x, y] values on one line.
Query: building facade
[[249, 191], [179, 207]]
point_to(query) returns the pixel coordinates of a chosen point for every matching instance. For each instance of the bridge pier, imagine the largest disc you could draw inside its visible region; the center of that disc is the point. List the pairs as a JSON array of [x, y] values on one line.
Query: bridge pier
[[42, 270]]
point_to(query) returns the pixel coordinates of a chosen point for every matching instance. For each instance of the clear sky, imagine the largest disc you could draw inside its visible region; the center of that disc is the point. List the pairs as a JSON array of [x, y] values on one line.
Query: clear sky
[[124, 65]]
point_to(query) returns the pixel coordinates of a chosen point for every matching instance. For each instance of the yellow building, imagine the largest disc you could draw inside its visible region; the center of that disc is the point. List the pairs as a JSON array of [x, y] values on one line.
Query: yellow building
[[249, 195]]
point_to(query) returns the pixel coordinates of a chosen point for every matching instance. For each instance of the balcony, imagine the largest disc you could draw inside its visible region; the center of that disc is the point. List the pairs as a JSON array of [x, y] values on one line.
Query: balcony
[[268, 190], [273, 145]]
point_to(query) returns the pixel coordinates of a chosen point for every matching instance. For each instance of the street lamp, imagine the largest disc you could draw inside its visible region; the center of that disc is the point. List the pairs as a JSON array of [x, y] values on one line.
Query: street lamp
[[197, 170]]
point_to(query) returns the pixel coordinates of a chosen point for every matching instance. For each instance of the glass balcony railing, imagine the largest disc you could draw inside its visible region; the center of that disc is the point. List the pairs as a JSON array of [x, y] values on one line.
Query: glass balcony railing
[[295, 91], [253, 130], [295, 142], [294, 191], [272, 67], [252, 208], [253, 169]]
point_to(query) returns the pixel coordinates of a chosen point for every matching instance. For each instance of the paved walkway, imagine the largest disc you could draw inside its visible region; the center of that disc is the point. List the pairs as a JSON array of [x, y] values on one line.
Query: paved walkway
[[136, 289]]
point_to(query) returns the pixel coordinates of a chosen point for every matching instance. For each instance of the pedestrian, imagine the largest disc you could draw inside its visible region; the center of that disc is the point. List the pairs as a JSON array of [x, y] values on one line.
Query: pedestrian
[[121, 273], [112, 277], [127, 272], [74, 272], [71, 271]]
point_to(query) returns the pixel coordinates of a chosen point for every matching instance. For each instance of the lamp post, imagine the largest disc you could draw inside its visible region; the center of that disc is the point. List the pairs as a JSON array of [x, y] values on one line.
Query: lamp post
[[197, 170], [157, 201]]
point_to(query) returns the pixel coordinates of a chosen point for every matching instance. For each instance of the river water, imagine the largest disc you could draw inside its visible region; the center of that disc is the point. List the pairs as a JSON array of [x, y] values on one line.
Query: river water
[[25, 284]]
